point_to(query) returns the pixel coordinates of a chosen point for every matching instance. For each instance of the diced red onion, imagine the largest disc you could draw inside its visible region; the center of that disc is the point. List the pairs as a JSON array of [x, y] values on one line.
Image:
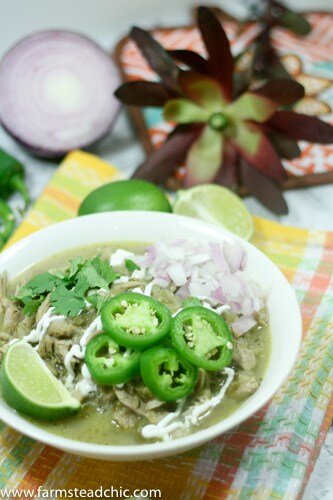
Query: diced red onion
[[183, 292], [211, 272], [234, 255], [243, 325], [161, 282], [247, 306], [219, 296], [177, 274], [217, 255], [177, 253], [236, 307], [56, 92], [201, 258], [231, 286]]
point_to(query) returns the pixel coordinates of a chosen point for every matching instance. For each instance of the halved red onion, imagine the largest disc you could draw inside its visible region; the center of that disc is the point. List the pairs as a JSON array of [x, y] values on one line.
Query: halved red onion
[[56, 92]]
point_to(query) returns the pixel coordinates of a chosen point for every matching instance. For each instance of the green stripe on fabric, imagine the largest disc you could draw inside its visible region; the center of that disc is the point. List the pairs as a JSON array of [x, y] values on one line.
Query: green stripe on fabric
[[290, 466], [77, 188], [287, 464], [17, 455], [282, 260], [54, 211]]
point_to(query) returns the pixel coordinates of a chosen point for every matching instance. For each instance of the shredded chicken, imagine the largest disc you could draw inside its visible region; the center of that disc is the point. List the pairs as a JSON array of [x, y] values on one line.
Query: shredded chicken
[[63, 329], [129, 285], [129, 397], [244, 355], [167, 297], [43, 308], [124, 417], [244, 385]]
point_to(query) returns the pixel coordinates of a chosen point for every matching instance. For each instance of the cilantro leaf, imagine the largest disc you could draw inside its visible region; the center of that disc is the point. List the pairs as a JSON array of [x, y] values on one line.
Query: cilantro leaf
[[31, 304], [105, 270], [98, 273], [74, 268], [23, 292], [39, 284], [93, 279], [69, 274], [131, 265], [66, 301], [69, 288], [82, 285]]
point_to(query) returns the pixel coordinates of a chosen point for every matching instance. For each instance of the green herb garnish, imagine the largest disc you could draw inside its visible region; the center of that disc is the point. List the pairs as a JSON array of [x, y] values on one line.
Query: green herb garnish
[[66, 301], [68, 289], [40, 284], [31, 304], [99, 273], [131, 265]]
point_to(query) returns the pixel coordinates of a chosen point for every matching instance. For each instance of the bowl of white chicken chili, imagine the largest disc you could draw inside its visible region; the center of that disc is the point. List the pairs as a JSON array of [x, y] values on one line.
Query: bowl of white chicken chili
[[137, 335]]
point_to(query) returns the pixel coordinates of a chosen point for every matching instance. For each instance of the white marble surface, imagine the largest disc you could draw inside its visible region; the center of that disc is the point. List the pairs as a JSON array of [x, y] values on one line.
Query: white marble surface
[[106, 20]]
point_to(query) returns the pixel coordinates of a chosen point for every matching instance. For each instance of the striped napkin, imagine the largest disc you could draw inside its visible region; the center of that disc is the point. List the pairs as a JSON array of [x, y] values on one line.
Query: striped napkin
[[272, 454]]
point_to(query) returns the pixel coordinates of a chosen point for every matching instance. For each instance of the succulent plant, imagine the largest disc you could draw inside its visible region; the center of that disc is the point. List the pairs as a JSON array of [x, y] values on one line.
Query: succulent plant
[[265, 61], [224, 135]]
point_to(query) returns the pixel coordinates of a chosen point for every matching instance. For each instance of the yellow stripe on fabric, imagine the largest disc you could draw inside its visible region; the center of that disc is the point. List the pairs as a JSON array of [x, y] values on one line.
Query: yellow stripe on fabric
[[282, 244], [273, 230]]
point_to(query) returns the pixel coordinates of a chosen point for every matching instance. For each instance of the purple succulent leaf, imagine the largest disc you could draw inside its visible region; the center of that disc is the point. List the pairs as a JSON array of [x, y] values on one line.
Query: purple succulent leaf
[[285, 148], [191, 59], [254, 146], [266, 63], [293, 21], [283, 91], [162, 162], [220, 59], [298, 126], [263, 188], [157, 57], [227, 174], [143, 93]]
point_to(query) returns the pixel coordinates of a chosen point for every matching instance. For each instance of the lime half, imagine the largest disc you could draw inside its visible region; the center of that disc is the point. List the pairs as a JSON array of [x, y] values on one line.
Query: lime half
[[29, 386], [217, 205]]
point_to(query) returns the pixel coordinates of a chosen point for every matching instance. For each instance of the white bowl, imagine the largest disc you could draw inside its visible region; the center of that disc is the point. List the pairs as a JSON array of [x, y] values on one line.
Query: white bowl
[[284, 314]]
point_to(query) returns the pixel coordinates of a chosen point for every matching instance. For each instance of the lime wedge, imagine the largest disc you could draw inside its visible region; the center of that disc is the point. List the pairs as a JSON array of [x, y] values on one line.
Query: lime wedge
[[217, 205], [29, 386]]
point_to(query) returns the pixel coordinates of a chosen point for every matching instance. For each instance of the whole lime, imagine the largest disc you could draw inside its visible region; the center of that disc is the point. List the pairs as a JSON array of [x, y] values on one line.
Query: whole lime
[[134, 194]]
